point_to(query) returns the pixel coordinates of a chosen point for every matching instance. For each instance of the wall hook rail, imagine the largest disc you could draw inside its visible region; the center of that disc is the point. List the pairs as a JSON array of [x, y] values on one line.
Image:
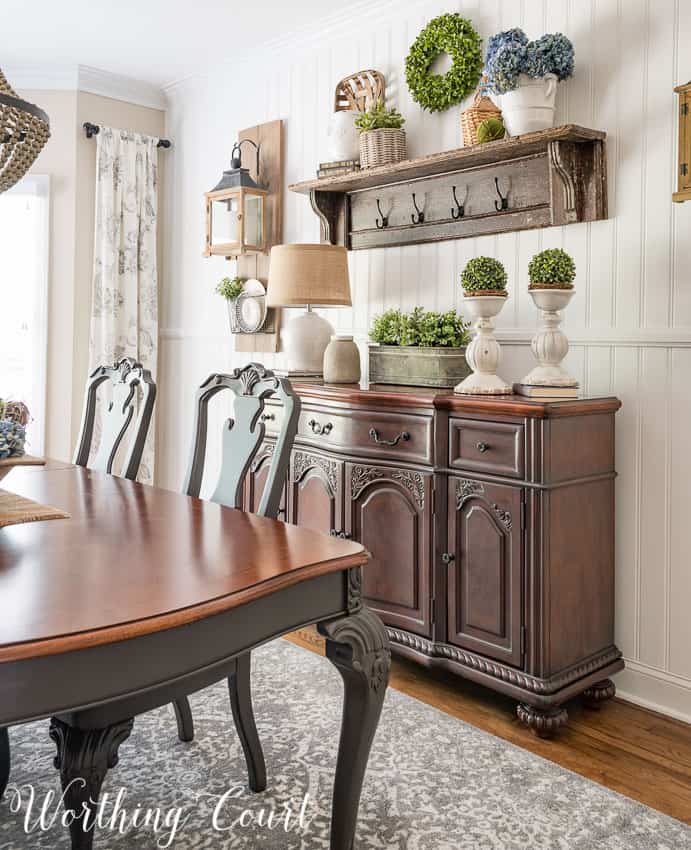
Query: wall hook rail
[[384, 220], [503, 203], [419, 216], [459, 212]]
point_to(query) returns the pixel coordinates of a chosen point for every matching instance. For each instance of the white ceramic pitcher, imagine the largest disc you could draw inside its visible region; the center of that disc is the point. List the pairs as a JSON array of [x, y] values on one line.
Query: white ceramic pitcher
[[530, 106]]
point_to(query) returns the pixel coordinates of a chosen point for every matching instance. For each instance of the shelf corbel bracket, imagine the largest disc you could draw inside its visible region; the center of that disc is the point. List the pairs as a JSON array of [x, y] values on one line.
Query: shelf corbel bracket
[[329, 208], [562, 161]]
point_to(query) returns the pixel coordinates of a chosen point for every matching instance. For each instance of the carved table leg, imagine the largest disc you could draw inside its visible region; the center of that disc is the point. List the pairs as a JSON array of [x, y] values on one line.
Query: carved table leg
[[183, 715], [4, 760], [241, 702], [359, 647], [84, 757], [598, 693], [543, 721]]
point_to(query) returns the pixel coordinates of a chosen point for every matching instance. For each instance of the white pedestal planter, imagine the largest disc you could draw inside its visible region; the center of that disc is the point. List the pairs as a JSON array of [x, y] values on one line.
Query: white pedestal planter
[[550, 344], [484, 353], [530, 106]]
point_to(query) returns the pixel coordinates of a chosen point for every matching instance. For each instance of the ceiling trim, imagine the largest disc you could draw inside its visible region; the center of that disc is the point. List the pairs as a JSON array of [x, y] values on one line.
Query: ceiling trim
[[86, 79]]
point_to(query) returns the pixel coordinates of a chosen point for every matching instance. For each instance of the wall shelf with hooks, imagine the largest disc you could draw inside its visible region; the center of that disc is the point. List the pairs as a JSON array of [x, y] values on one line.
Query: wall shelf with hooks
[[545, 179]]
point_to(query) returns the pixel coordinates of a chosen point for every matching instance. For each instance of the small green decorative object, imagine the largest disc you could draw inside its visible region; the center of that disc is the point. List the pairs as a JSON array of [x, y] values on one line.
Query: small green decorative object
[[552, 268], [455, 36], [483, 274], [491, 130], [230, 288]]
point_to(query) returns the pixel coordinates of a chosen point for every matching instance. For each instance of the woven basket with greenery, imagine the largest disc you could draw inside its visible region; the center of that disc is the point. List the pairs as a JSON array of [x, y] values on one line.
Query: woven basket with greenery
[[471, 118], [382, 147]]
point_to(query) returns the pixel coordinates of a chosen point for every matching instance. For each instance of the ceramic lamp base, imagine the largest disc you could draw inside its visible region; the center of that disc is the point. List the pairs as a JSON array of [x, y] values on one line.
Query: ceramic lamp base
[[304, 342]]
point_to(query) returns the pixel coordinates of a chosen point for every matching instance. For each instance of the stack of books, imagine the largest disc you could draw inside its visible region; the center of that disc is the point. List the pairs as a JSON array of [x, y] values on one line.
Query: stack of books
[[531, 391], [335, 169]]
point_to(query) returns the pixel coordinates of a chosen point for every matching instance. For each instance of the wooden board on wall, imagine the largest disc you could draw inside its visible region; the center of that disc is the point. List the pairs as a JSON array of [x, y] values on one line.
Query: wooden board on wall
[[270, 137]]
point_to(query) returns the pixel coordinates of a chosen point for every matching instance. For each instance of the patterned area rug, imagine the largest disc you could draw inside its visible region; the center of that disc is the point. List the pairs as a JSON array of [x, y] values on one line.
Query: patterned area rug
[[434, 782]]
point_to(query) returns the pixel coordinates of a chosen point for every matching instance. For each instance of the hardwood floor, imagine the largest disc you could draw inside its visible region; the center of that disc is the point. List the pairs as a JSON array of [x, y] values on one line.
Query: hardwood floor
[[636, 752]]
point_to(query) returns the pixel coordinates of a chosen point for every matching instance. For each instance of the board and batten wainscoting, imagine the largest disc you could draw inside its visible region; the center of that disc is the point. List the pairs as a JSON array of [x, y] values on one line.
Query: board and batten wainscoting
[[629, 322]]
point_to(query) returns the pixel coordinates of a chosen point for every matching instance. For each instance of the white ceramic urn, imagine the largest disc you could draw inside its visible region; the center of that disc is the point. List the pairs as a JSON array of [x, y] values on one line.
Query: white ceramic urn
[[550, 344], [530, 106], [344, 138], [484, 352]]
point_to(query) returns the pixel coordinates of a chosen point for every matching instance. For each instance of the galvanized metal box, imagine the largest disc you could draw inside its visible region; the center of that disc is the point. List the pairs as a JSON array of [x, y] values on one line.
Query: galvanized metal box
[[416, 366]]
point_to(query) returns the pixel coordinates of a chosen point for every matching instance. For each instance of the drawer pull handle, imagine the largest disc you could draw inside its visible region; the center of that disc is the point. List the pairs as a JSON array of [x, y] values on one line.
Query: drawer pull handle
[[447, 557], [267, 417], [320, 430], [482, 448], [374, 435]]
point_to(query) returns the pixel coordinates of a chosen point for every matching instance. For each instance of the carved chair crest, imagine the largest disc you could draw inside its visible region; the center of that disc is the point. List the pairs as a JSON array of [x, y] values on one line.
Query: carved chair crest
[[243, 435], [126, 376]]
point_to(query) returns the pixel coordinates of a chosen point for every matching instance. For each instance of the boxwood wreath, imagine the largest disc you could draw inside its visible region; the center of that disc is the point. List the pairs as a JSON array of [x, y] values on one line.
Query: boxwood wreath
[[456, 36]]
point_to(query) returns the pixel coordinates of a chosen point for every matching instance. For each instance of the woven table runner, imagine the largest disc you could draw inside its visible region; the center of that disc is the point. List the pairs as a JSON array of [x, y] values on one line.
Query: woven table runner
[[6, 463], [15, 509]]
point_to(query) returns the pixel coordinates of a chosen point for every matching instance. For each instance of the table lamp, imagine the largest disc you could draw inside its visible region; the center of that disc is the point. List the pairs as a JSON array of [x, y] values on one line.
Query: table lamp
[[307, 276]]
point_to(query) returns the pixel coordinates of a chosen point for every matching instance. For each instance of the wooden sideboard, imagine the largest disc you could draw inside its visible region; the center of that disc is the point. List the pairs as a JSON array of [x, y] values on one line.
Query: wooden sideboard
[[491, 527]]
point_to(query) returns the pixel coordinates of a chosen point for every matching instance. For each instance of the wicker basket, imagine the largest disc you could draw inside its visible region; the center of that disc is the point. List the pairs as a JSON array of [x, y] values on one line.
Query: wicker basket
[[471, 118], [382, 147]]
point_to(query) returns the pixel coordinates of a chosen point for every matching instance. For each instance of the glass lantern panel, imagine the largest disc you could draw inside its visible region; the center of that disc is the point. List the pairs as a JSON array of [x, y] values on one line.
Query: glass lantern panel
[[224, 221], [254, 220]]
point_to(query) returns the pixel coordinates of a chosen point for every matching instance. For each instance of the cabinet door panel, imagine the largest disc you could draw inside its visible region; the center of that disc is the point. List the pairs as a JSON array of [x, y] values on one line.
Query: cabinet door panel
[[388, 511], [316, 492], [484, 580]]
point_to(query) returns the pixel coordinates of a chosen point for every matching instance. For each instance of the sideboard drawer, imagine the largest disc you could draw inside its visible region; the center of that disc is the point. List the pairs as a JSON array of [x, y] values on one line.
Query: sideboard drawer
[[494, 447], [368, 433]]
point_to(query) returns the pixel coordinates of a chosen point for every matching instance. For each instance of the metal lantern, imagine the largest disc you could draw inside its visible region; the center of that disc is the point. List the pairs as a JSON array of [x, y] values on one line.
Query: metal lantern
[[235, 214], [24, 130]]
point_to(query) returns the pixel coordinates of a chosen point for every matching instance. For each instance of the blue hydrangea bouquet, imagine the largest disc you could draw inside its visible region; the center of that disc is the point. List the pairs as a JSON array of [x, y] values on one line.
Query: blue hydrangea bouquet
[[14, 417]]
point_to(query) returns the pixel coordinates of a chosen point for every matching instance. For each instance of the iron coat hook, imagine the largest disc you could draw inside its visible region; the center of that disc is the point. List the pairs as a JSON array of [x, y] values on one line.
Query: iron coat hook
[[459, 212], [504, 205], [384, 221], [420, 217]]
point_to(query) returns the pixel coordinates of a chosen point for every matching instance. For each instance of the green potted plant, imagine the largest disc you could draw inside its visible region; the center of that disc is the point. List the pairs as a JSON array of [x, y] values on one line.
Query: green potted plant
[[551, 273], [421, 348], [231, 289], [484, 286], [382, 139]]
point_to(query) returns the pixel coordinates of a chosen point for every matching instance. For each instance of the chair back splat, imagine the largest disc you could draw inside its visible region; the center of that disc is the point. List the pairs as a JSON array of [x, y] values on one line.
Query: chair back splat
[[243, 435], [125, 377]]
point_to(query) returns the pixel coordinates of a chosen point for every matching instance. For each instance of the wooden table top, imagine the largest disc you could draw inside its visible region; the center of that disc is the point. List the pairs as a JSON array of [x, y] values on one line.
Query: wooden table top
[[133, 560]]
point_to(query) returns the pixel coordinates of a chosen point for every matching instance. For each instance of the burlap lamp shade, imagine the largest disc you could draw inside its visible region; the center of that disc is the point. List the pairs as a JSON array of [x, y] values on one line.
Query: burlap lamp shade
[[308, 275]]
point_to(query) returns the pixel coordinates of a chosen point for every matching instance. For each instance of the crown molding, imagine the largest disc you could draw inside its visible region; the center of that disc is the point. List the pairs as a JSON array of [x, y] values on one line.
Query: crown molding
[[337, 25], [86, 79]]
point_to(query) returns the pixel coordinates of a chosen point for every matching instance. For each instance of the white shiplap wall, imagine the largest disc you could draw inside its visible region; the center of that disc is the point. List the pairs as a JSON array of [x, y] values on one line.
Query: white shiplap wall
[[630, 321]]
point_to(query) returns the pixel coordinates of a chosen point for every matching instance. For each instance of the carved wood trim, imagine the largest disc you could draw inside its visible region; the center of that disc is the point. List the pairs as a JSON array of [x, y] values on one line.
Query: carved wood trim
[[562, 169], [326, 205], [304, 461], [501, 671], [413, 482], [466, 488]]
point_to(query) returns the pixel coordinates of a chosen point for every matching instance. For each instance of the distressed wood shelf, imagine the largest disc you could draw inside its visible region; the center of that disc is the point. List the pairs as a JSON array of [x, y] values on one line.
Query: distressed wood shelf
[[554, 177]]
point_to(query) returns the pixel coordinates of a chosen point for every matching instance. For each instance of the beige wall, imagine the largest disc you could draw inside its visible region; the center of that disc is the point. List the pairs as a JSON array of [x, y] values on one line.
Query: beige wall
[[69, 159]]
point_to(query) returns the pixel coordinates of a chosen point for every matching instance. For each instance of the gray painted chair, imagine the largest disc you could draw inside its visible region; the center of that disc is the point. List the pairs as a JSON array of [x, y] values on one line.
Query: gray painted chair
[[125, 377], [242, 437]]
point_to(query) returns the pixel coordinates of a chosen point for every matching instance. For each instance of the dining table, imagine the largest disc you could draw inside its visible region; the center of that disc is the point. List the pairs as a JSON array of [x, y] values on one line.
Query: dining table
[[142, 595]]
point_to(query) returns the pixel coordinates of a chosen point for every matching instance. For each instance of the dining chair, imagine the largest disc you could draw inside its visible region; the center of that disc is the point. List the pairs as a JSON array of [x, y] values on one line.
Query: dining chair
[[125, 377], [242, 436]]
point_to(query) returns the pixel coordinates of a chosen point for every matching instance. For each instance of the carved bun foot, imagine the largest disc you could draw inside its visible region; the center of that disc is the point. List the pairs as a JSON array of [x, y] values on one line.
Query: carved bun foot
[[543, 722], [598, 693]]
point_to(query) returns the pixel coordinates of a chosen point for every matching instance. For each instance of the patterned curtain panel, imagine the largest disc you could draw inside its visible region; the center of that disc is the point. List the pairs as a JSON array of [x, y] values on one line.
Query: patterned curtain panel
[[124, 312]]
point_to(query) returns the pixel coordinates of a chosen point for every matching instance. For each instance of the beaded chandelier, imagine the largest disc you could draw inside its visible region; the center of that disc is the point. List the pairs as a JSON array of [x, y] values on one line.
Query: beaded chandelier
[[24, 130]]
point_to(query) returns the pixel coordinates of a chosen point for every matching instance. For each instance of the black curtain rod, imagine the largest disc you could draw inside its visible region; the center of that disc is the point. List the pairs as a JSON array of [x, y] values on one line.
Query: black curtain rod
[[93, 130]]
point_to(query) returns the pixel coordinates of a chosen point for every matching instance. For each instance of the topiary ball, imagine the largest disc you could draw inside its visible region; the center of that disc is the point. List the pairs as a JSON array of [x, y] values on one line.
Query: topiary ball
[[552, 267], [483, 274]]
